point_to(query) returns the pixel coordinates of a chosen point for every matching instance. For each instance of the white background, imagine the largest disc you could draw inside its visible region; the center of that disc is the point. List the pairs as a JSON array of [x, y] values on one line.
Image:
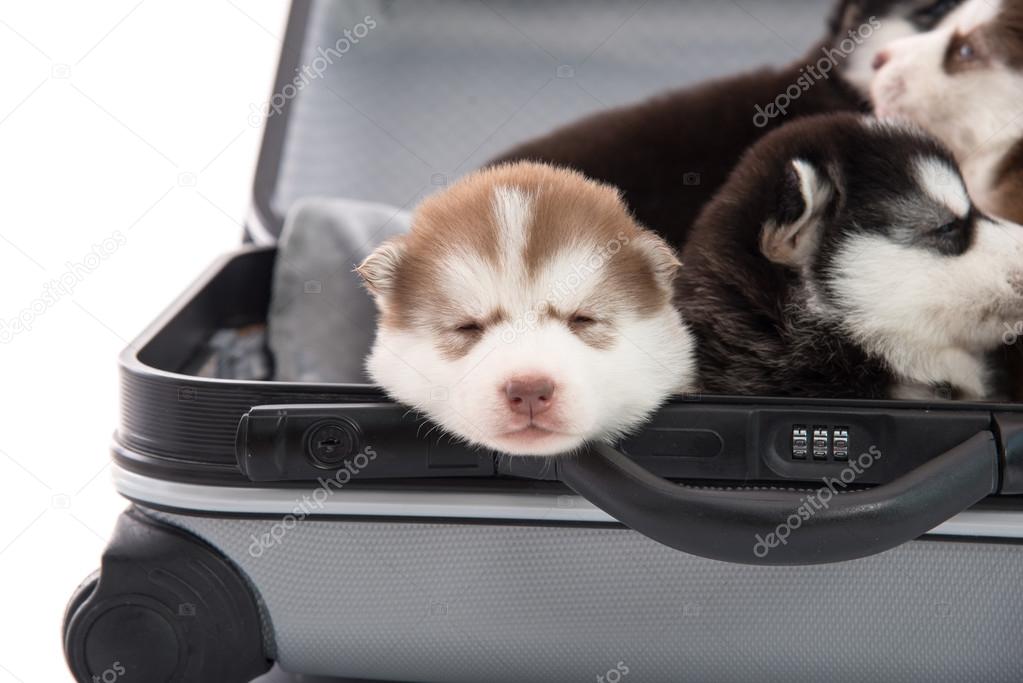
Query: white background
[[115, 116]]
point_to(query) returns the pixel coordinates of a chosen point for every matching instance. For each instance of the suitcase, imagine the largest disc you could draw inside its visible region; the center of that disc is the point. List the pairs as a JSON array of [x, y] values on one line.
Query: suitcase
[[319, 526]]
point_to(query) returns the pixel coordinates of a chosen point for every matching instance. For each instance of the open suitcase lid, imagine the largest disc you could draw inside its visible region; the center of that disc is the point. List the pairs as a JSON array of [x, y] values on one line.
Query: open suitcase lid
[[416, 94], [387, 124]]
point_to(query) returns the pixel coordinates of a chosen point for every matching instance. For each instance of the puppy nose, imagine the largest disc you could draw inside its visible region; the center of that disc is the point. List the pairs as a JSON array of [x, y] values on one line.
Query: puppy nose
[[880, 59], [529, 395]]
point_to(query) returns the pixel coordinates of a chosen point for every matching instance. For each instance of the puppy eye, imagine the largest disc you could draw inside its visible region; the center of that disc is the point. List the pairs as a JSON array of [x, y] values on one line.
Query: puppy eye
[[962, 51], [580, 320], [471, 327], [949, 228]]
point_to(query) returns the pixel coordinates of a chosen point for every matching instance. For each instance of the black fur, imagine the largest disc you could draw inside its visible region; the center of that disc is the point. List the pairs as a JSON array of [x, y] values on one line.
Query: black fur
[[671, 154], [755, 333], [923, 14]]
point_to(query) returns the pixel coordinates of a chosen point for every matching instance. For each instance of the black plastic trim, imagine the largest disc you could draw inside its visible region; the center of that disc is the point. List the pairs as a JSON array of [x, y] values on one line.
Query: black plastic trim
[[1010, 434], [276, 127]]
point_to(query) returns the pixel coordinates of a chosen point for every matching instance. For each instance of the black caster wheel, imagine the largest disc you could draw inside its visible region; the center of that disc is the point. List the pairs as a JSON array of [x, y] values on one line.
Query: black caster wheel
[[164, 608]]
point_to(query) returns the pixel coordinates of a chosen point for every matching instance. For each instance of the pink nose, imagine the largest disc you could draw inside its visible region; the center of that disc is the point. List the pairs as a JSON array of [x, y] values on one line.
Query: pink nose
[[529, 395], [880, 59]]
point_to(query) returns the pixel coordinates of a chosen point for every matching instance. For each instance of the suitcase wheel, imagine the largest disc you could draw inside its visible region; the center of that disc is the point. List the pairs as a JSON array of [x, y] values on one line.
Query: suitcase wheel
[[164, 608]]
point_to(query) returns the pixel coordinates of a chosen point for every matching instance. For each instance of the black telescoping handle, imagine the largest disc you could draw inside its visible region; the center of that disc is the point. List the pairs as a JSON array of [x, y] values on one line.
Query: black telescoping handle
[[784, 527]]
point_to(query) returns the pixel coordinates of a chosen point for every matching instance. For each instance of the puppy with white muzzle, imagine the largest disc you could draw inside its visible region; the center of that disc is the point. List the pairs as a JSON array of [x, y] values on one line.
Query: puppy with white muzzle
[[963, 82], [844, 258], [526, 311]]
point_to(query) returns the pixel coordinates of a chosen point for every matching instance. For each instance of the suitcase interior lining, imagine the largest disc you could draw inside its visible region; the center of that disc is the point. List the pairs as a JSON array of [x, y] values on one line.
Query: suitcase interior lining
[[438, 87]]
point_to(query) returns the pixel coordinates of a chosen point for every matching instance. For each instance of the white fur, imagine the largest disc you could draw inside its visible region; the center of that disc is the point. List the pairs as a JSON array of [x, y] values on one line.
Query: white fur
[[793, 244], [814, 190], [975, 112], [972, 14], [513, 210], [599, 393], [942, 183], [859, 70], [932, 317]]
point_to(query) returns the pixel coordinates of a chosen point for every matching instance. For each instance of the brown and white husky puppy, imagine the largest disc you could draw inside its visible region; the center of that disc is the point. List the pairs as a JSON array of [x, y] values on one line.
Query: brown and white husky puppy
[[528, 312], [963, 82]]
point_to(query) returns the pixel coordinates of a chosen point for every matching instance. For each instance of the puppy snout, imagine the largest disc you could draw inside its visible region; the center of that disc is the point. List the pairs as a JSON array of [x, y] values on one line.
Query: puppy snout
[[529, 395], [880, 59]]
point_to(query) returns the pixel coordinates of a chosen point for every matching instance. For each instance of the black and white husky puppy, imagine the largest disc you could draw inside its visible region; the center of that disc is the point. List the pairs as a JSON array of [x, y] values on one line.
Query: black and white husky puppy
[[963, 82], [844, 258], [669, 155]]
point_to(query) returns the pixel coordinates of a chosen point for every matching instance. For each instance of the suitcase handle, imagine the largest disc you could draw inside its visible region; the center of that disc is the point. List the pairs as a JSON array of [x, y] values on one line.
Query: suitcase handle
[[784, 527]]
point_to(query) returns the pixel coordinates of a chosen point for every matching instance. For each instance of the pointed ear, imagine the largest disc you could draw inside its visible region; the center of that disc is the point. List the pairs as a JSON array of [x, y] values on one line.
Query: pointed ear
[[661, 255], [790, 235], [379, 268]]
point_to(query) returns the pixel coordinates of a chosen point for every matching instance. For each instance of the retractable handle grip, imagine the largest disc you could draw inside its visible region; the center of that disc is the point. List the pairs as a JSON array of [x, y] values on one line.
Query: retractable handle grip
[[785, 527]]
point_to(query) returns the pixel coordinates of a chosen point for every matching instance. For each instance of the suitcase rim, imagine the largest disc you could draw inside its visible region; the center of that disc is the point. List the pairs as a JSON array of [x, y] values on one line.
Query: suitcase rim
[[150, 392], [539, 508]]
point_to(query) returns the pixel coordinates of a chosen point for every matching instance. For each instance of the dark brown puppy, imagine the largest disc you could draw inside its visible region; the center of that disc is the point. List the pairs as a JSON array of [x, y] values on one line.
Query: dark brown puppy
[[670, 155]]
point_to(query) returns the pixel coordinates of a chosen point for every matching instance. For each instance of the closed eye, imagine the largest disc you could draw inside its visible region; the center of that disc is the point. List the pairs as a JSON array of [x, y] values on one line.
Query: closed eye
[[470, 327], [951, 227], [580, 320]]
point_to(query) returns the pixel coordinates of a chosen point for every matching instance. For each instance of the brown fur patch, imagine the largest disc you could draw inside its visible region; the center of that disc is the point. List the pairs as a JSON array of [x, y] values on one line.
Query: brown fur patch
[[569, 212], [978, 41], [599, 335], [1004, 35]]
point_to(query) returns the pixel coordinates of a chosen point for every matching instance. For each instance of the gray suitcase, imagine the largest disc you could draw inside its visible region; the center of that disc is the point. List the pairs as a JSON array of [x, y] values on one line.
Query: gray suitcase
[[261, 532]]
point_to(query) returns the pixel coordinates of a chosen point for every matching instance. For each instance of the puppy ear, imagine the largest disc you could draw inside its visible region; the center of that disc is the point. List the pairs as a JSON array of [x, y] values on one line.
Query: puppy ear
[[790, 235], [661, 255], [379, 268]]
